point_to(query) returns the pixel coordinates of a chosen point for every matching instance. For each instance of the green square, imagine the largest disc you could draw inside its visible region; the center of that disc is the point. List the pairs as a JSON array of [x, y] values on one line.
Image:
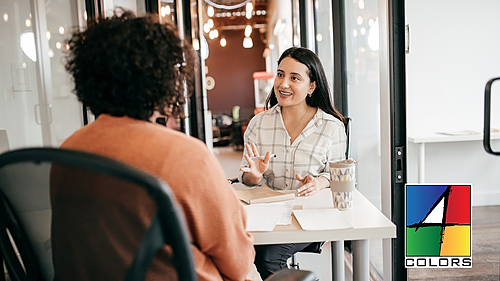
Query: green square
[[423, 241]]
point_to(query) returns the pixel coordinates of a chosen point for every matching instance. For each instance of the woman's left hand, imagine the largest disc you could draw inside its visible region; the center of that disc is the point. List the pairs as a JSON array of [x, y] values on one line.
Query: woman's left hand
[[311, 185]]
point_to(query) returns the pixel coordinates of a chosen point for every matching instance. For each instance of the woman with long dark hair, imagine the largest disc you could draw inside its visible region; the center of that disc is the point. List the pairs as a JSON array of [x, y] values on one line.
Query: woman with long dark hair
[[303, 130]]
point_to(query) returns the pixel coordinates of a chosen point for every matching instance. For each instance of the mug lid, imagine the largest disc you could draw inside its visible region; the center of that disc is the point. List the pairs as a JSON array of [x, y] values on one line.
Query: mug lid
[[343, 163]]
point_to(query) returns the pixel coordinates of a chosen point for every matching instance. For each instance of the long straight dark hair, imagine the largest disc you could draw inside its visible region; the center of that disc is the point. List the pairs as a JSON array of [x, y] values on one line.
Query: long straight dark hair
[[321, 95]]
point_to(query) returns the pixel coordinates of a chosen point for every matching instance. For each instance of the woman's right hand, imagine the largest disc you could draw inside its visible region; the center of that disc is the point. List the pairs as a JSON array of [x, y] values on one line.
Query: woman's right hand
[[256, 167]]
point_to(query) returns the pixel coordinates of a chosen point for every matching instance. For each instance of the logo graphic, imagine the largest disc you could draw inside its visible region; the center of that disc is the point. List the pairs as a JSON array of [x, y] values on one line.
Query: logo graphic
[[438, 226]]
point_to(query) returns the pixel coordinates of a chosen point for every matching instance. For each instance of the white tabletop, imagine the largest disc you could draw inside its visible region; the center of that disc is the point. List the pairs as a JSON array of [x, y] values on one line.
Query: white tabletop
[[368, 223], [436, 137]]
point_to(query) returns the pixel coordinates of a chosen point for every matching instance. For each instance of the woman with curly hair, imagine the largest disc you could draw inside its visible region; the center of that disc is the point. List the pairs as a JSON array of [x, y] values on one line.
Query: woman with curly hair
[[129, 70]]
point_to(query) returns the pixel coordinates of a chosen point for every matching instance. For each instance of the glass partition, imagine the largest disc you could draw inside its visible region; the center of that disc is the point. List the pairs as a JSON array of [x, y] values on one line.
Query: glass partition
[[37, 107]]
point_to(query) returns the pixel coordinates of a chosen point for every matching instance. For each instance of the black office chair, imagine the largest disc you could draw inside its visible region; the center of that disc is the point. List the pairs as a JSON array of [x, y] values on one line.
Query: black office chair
[[25, 215], [25, 234]]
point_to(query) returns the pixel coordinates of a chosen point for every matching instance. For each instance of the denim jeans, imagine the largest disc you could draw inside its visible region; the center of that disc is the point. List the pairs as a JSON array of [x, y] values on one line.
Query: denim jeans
[[272, 258]]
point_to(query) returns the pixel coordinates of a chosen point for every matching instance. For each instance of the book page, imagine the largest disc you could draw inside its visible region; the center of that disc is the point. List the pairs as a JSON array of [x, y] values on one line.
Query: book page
[[262, 194]]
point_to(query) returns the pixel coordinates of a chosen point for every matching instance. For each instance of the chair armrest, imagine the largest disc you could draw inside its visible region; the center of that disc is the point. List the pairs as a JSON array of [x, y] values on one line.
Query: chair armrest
[[288, 274]]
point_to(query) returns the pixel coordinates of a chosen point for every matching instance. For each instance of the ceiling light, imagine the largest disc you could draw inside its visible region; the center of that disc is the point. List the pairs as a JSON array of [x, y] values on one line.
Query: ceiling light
[[247, 42], [210, 11], [210, 23], [359, 20], [196, 44], [213, 34], [206, 28], [248, 11], [373, 36], [361, 4], [223, 42], [248, 30], [27, 42]]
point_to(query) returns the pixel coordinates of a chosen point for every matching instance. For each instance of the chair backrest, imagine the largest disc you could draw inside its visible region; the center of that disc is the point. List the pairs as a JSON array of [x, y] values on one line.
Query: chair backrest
[[347, 125], [4, 141], [26, 176]]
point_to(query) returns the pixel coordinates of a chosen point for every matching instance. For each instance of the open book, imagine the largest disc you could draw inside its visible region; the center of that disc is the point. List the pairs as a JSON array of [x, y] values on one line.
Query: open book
[[262, 194]]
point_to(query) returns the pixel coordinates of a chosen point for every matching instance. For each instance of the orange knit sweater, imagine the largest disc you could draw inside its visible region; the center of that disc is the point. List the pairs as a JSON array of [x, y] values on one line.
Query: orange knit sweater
[[98, 243]]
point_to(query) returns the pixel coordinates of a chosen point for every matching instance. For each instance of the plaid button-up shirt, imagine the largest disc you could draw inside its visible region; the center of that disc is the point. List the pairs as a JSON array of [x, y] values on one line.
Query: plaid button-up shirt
[[321, 141]]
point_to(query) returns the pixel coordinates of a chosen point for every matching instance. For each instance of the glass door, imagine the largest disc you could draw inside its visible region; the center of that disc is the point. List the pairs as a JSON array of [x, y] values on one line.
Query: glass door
[[363, 103], [451, 54], [37, 107]]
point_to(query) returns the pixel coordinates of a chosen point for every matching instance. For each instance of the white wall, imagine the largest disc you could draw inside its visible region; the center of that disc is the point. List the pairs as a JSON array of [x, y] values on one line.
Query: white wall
[[453, 53]]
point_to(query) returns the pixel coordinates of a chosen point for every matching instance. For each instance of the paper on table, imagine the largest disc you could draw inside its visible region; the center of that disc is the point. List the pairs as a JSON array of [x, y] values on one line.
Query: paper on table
[[286, 218], [460, 133], [321, 219], [264, 217]]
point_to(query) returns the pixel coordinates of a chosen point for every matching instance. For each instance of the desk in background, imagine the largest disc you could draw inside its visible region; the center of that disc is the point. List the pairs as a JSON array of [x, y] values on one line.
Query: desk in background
[[368, 223], [434, 138]]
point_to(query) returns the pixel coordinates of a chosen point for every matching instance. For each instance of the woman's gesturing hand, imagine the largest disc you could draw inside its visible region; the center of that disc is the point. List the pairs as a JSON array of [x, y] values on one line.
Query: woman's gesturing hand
[[311, 185], [256, 167]]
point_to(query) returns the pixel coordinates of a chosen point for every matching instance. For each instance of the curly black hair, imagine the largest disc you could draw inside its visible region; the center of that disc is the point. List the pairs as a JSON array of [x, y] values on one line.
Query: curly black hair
[[130, 66]]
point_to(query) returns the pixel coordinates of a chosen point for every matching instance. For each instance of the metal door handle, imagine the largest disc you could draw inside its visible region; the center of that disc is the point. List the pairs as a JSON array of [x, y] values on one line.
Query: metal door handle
[[487, 116]]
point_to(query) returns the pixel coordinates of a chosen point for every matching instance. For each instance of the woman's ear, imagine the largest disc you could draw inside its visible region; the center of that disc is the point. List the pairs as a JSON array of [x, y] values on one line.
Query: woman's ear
[[312, 86]]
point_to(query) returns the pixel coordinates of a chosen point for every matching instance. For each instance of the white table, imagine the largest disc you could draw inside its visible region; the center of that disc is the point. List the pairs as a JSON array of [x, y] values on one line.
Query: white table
[[434, 138], [368, 223]]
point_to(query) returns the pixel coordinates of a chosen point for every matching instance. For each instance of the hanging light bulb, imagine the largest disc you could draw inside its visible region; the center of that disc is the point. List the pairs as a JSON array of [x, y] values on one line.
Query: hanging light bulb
[[210, 23], [213, 34], [247, 42], [248, 30], [210, 11], [206, 28], [223, 42], [248, 10]]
